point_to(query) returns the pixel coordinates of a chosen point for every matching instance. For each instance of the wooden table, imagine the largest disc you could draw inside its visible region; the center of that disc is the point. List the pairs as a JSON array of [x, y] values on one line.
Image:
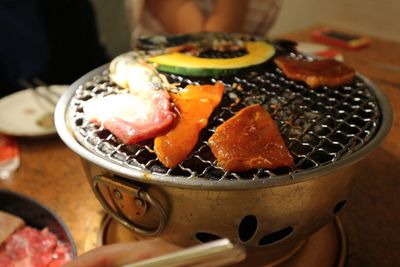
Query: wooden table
[[372, 218], [52, 174]]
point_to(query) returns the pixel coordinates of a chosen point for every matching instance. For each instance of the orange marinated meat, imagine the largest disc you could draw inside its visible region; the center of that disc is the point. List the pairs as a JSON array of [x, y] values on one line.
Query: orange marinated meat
[[316, 73], [194, 105], [248, 140]]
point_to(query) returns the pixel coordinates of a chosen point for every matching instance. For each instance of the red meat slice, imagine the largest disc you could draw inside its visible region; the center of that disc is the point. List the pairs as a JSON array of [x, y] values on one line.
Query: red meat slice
[[5, 261], [60, 255], [30, 247], [132, 117]]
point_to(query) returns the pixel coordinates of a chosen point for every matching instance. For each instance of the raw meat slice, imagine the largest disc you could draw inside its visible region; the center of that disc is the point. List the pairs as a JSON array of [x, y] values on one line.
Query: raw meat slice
[[195, 104], [248, 140], [30, 247], [329, 72], [132, 118]]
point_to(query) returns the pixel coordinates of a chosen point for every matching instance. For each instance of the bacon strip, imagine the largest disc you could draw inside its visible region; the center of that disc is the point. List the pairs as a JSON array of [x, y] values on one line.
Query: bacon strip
[[248, 140]]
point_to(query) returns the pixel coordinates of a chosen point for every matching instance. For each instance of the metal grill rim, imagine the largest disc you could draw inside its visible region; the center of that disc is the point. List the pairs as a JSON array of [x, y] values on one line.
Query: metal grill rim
[[110, 149]]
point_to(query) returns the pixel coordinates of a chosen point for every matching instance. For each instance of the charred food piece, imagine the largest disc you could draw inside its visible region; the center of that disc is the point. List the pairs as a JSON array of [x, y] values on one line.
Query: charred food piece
[[316, 73], [194, 104], [249, 140]]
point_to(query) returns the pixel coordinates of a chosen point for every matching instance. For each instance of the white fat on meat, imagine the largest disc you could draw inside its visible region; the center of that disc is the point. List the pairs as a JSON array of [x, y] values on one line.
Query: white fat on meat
[[132, 117], [144, 112], [131, 71], [124, 106]]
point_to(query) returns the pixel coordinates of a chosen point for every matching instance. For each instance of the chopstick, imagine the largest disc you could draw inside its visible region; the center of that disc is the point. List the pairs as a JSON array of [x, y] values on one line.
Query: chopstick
[[38, 83], [212, 254]]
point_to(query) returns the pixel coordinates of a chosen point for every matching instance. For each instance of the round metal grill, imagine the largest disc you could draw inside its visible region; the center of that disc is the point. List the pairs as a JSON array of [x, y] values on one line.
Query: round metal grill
[[319, 126]]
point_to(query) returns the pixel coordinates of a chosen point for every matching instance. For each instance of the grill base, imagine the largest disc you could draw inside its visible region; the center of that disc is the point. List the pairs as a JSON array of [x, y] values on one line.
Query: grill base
[[325, 248]]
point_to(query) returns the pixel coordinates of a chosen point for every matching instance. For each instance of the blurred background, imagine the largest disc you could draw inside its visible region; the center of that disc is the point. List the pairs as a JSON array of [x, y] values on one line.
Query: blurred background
[[371, 17], [65, 41]]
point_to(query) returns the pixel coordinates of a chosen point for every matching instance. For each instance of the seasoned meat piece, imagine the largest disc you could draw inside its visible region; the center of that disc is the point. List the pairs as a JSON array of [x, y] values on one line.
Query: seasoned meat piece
[[132, 118], [195, 104], [316, 73], [248, 140]]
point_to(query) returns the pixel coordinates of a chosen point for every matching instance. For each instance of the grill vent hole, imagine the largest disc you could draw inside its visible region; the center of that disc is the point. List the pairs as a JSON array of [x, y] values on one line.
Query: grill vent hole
[[339, 206], [79, 122], [206, 237], [247, 227], [275, 236]]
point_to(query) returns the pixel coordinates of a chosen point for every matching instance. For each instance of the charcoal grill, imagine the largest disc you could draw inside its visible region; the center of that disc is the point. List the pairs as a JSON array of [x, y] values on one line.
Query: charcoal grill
[[327, 130]]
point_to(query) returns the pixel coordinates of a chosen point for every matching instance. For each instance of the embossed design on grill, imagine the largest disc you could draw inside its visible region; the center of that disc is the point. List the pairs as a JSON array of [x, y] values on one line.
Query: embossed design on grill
[[319, 126]]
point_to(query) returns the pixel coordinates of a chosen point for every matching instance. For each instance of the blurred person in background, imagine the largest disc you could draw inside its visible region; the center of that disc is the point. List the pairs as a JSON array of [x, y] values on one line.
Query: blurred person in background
[[154, 17], [53, 41]]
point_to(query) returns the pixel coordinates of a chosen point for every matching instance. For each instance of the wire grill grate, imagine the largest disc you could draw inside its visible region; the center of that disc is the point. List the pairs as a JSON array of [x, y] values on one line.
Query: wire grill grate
[[319, 126]]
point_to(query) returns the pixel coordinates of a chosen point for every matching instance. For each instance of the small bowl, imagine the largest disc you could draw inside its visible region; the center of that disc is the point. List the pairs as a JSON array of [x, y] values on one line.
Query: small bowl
[[36, 215]]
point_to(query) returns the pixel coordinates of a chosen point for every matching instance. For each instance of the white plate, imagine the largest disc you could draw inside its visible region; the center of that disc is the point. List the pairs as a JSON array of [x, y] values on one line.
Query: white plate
[[30, 114]]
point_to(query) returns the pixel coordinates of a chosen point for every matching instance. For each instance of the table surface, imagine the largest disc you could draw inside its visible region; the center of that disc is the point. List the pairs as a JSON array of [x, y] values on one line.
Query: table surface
[[52, 174]]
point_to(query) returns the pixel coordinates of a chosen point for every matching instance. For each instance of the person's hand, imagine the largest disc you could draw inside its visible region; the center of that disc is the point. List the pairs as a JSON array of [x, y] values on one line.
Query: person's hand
[[123, 253]]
